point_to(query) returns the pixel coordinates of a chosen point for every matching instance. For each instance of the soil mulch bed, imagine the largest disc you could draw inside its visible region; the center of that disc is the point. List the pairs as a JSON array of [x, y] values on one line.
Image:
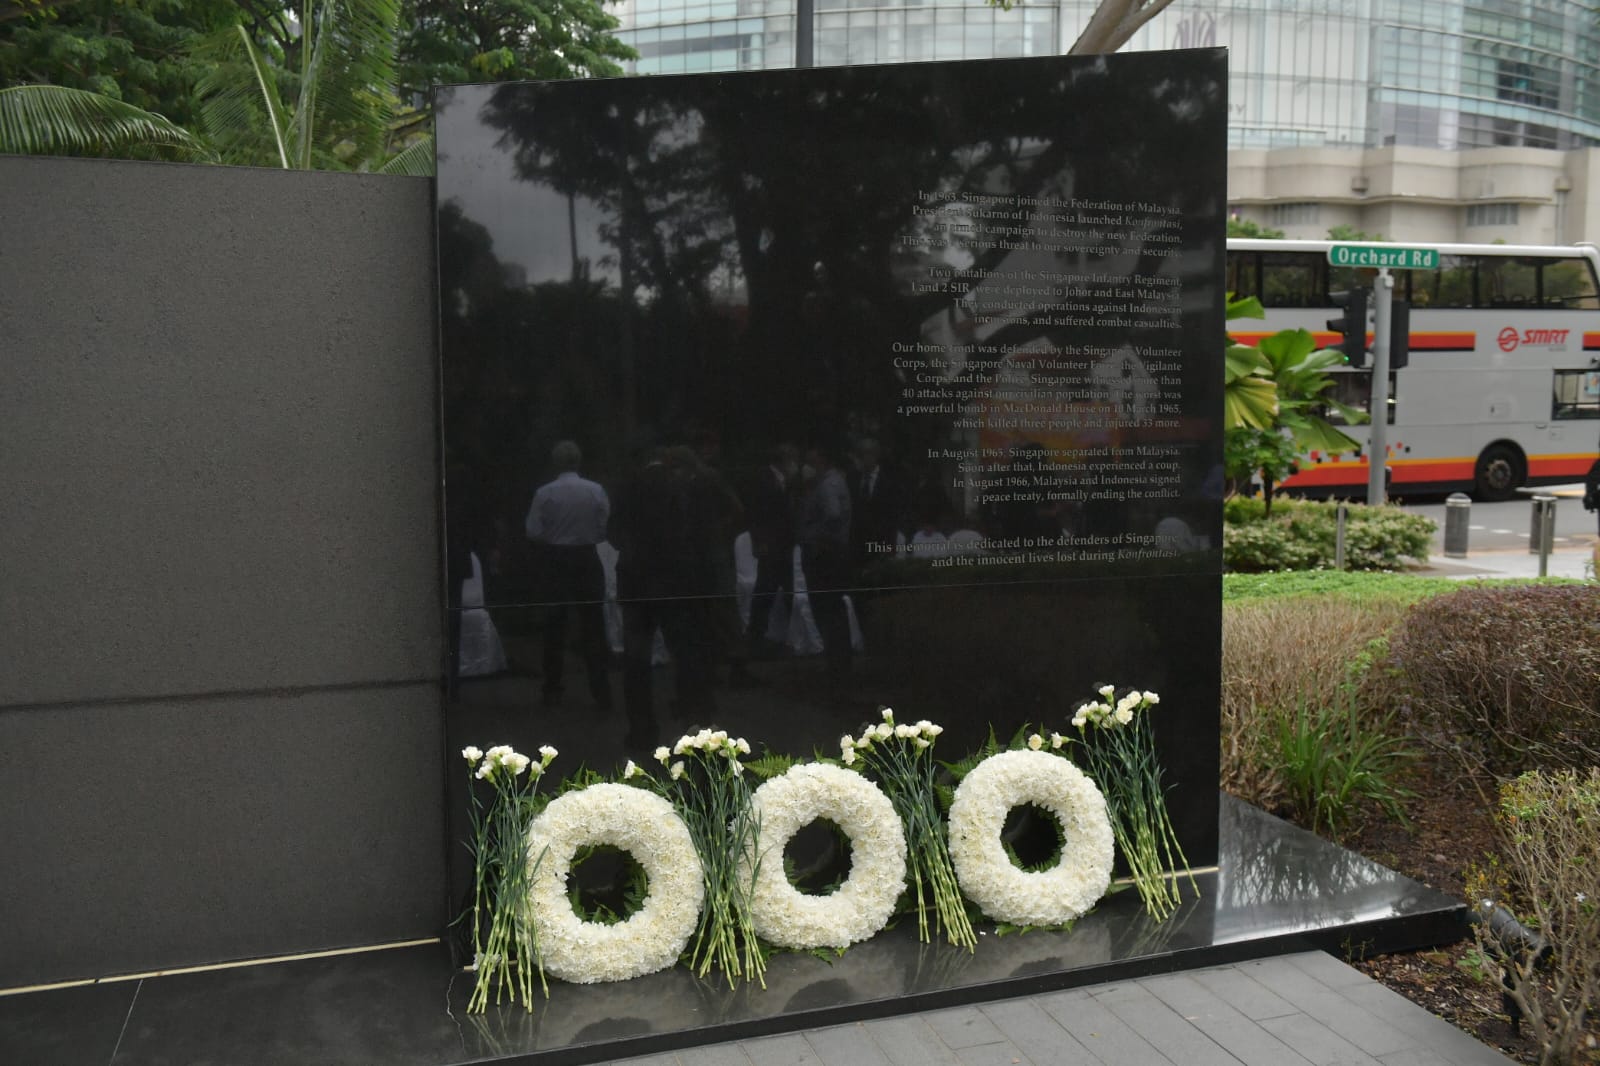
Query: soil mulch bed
[[1451, 828]]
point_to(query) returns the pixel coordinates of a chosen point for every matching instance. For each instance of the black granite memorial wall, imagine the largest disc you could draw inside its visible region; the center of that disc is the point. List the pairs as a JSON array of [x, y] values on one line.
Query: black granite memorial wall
[[900, 385]]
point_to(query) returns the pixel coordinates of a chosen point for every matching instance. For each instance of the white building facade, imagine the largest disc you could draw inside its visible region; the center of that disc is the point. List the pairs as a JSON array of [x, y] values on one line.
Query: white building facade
[[1417, 120]]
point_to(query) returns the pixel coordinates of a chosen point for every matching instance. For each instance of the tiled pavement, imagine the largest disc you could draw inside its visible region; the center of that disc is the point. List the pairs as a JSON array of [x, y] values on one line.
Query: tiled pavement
[[1292, 1010]]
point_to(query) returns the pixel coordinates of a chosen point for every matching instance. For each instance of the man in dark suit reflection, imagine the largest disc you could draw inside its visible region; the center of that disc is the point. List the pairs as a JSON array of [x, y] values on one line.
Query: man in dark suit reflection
[[661, 584], [769, 510], [566, 521]]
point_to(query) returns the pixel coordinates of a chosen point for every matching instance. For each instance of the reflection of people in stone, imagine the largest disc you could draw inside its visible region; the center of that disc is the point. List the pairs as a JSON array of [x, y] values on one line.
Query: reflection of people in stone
[[567, 519], [660, 573], [716, 515], [877, 502], [822, 529], [769, 512]]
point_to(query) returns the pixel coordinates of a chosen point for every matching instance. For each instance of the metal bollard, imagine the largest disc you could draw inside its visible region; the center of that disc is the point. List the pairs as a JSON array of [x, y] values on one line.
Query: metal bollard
[[1544, 528], [1457, 513], [1338, 536]]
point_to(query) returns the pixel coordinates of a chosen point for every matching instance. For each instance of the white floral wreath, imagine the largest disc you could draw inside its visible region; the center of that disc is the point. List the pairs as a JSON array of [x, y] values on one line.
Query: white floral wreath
[[987, 875], [645, 826], [859, 907]]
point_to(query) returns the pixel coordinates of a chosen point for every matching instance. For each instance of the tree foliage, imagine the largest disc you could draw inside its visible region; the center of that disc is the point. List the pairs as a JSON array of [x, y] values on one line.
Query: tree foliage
[[446, 42], [1274, 396], [132, 51], [1244, 227], [325, 102], [54, 120]]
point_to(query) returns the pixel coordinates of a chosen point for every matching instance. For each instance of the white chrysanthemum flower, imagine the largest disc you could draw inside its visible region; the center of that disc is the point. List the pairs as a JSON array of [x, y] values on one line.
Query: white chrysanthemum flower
[[986, 873], [644, 825], [860, 906], [663, 755], [471, 754], [676, 770], [1035, 742]]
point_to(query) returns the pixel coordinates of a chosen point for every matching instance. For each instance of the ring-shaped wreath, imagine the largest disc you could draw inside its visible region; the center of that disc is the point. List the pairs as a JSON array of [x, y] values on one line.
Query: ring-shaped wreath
[[987, 875], [864, 902], [645, 826]]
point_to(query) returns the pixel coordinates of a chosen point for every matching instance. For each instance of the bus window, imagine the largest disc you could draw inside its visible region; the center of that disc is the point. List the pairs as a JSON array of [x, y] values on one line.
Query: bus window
[[1577, 394], [1507, 282], [1569, 283], [1244, 274], [1343, 279], [1353, 388], [1294, 279], [1449, 286]]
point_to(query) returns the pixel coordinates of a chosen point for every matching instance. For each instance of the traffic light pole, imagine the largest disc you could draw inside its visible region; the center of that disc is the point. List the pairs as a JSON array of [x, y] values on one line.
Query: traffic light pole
[[1377, 440]]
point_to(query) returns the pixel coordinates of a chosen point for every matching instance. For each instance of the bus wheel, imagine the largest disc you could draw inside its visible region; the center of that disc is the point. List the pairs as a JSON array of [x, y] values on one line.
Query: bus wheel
[[1499, 473]]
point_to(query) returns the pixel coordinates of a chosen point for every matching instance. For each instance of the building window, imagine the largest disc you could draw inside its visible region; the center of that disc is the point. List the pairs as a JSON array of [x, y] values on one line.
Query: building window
[[1492, 215], [1296, 214]]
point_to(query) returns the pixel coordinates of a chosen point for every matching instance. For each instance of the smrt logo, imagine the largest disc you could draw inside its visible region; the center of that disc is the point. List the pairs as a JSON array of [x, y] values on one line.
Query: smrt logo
[[1551, 338]]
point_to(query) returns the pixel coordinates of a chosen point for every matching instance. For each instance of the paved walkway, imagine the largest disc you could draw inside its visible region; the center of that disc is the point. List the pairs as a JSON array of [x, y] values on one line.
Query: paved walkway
[[1293, 1010]]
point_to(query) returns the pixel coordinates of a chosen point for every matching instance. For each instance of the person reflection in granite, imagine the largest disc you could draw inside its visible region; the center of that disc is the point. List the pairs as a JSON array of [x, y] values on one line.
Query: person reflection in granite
[[718, 517], [822, 529], [878, 503], [661, 586], [565, 523], [769, 516]]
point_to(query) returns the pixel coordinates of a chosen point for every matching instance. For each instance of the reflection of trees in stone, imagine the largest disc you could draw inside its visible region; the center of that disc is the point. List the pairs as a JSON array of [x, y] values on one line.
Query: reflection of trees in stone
[[754, 228]]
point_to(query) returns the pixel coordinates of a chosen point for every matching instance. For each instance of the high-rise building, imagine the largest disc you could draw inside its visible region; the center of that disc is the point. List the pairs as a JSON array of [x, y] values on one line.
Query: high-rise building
[[1416, 119]]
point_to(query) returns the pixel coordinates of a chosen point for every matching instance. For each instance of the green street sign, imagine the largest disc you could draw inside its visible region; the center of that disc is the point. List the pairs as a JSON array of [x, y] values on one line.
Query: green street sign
[[1384, 255]]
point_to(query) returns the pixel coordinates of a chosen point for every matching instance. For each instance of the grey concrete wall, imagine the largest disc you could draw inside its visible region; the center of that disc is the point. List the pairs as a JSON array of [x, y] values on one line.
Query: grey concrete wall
[[220, 733]]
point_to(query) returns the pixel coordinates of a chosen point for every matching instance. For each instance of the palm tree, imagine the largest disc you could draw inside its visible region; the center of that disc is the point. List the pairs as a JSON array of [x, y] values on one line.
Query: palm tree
[[1272, 396], [55, 120], [325, 102]]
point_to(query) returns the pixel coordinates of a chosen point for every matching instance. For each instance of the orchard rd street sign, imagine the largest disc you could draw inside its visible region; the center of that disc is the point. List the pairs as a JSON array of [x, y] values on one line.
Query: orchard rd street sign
[[1378, 255]]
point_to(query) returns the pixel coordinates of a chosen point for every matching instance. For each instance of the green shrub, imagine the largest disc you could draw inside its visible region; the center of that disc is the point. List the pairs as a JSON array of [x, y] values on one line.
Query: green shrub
[[1506, 678], [1364, 587], [1302, 535], [1282, 651], [1332, 758]]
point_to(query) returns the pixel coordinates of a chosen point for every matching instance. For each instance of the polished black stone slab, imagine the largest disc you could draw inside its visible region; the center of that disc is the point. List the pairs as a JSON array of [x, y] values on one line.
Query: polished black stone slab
[[1279, 889], [769, 398]]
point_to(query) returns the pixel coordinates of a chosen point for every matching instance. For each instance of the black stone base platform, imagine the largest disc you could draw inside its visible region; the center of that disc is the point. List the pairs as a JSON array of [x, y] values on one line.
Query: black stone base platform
[[1279, 889]]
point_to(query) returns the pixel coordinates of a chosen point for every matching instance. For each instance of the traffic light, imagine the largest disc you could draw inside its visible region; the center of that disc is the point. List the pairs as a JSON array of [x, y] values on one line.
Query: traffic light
[[1352, 325], [1399, 334]]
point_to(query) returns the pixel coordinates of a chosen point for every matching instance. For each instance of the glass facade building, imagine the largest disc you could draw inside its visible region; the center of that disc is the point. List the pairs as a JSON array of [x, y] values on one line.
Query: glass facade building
[[1305, 73]]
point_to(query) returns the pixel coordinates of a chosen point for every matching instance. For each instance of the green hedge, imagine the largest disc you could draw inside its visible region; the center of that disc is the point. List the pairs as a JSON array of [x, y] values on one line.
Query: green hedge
[[1301, 535]]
